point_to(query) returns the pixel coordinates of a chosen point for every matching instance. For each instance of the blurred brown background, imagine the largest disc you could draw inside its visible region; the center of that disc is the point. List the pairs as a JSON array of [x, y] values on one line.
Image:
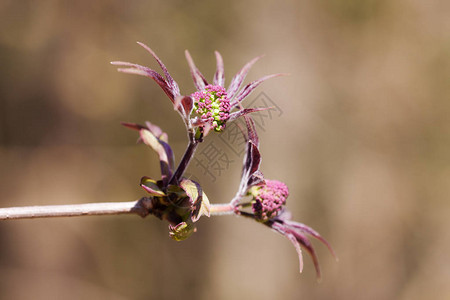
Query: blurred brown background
[[363, 144]]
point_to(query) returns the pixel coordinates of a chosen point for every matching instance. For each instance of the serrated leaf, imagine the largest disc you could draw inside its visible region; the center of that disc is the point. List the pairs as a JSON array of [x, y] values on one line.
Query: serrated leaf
[[205, 207], [199, 200], [192, 189]]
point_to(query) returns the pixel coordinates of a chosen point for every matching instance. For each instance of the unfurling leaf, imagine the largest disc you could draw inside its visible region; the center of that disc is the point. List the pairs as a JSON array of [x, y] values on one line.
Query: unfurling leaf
[[151, 186], [163, 149], [192, 189], [199, 200], [181, 231], [205, 207]]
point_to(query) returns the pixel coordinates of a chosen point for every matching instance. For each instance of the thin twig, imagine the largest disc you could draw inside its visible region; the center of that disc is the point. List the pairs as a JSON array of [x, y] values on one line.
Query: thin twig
[[221, 209], [141, 208], [184, 162]]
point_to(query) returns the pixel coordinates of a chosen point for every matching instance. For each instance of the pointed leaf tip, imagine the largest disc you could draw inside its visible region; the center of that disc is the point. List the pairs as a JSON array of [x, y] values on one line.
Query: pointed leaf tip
[[199, 80], [192, 189], [205, 208], [199, 200], [132, 126], [238, 79], [151, 186], [250, 87]]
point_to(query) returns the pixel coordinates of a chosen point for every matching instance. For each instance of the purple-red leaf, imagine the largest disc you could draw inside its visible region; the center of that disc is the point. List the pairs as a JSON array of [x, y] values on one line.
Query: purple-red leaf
[[305, 242], [254, 158], [237, 80], [251, 129], [184, 104], [245, 111], [252, 161], [172, 83], [250, 87], [297, 247], [199, 80], [219, 76], [256, 178], [144, 71], [308, 230], [205, 124], [250, 172], [132, 126]]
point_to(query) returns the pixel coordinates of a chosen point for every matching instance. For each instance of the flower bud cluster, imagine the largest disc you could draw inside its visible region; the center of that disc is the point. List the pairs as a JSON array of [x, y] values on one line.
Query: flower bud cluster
[[213, 105], [268, 199]]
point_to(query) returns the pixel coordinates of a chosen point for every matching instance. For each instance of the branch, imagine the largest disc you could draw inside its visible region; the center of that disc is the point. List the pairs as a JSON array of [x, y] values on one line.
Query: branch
[[142, 208], [221, 209], [184, 162]]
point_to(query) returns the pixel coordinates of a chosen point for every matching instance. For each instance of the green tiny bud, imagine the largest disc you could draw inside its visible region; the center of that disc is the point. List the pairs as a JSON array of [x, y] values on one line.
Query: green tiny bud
[[181, 231]]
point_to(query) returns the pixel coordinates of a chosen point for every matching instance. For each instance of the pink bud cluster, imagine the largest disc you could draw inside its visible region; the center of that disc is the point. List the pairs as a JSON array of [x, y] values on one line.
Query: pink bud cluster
[[269, 199], [213, 105]]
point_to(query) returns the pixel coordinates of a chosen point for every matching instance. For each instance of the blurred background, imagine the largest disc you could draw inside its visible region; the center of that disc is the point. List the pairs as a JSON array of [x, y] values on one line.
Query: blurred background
[[361, 137]]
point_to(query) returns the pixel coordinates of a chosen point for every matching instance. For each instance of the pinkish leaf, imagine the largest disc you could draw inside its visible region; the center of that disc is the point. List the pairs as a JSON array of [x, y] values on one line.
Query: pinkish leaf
[[250, 87], [164, 151], [199, 80], [132, 126], [305, 242], [237, 80], [254, 158], [204, 124], [206, 129], [308, 230], [219, 76], [184, 104], [197, 122], [147, 72], [297, 247], [245, 111], [256, 178], [252, 161], [172, 83], [156, 130], [251, 129], [250, 172]]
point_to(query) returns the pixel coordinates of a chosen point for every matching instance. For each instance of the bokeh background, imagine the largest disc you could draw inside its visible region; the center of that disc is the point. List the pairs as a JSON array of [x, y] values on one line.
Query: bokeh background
[[363, 143]]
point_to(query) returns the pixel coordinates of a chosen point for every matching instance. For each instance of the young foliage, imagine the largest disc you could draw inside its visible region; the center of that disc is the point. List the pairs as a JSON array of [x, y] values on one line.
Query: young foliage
[[182, 201]]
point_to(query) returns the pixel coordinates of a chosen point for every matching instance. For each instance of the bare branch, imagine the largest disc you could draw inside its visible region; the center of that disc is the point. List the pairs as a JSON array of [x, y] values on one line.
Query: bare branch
[[141, 207], [221, 209]]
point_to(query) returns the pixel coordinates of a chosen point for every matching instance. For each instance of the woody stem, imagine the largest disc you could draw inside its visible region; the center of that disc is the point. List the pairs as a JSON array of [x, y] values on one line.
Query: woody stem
[[142, 207], [184, 163], [221, 209]]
